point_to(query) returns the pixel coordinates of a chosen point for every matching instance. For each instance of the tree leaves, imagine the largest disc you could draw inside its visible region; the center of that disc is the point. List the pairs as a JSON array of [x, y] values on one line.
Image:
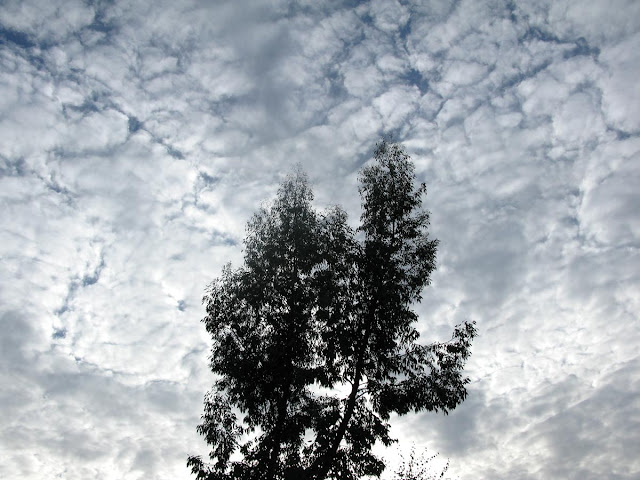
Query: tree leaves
[[314, 338]]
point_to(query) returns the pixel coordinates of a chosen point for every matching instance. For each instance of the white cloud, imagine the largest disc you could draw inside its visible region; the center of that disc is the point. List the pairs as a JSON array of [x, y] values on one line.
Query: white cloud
[[46, 21], [137, 139], [395, 105], [621, 94], [610, 199], [602, 22], [389, 16]]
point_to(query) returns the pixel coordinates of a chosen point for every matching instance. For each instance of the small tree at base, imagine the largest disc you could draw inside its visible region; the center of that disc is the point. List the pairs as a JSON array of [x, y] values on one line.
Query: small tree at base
[[419, 467], [318, 309]]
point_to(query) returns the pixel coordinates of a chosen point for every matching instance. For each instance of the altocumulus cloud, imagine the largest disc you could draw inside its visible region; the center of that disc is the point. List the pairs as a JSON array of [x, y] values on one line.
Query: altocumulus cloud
[[137, 139]]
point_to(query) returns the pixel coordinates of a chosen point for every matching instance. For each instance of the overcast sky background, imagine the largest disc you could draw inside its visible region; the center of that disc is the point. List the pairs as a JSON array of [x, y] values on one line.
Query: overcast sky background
[[137, 138]]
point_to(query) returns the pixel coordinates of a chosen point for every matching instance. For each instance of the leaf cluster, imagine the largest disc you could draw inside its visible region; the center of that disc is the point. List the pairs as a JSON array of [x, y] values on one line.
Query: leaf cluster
[[314, 337]]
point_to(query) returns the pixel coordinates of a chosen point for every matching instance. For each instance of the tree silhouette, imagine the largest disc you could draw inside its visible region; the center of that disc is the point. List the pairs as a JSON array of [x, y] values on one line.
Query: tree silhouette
[[419, 467], [314, 338]]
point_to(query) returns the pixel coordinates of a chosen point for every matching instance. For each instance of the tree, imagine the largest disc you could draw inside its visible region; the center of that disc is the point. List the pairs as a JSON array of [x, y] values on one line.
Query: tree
[[418, 467], [314, 338]]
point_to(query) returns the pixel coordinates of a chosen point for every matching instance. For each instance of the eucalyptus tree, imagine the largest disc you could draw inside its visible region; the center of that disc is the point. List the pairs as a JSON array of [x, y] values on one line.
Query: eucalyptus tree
[[314, 336]]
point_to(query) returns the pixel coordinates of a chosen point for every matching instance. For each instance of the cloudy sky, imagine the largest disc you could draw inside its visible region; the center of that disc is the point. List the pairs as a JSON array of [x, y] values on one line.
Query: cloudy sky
[[137, 138]]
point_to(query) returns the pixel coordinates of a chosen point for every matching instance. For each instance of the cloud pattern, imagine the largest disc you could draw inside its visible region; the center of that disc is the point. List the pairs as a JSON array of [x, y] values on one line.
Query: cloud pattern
[[136, 139]]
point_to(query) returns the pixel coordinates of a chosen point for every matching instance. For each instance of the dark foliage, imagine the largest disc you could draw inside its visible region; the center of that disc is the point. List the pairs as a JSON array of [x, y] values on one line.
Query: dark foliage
[[419, 467], [314, 338]]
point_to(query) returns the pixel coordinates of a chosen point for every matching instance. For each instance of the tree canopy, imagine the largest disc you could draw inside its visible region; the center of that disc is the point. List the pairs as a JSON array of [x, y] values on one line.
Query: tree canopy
[[418, 466], [314, 336]]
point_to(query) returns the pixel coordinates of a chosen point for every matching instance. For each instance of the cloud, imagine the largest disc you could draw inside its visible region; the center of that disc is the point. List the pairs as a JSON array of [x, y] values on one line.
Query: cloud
[[620, 95], [138, 139]]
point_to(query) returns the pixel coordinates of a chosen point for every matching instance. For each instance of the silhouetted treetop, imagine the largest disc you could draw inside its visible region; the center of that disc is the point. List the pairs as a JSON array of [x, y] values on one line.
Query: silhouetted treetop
[[314, 336]]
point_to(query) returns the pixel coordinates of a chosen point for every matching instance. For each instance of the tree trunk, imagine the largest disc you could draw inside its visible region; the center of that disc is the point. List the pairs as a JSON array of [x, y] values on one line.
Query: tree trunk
[[320, 468]]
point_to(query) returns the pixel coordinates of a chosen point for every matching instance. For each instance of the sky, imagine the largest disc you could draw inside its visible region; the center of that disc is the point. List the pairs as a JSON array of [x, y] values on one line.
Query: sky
[[138, 138]]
